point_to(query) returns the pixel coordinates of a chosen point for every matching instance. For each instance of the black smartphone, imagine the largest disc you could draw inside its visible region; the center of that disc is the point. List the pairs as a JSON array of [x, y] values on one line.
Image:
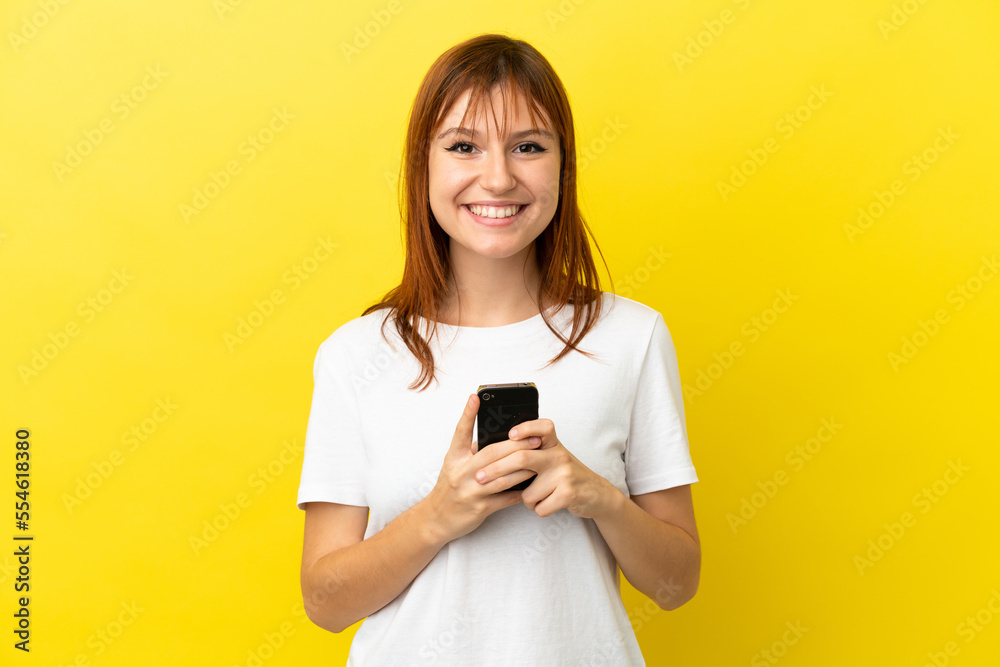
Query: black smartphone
[[501, 407]]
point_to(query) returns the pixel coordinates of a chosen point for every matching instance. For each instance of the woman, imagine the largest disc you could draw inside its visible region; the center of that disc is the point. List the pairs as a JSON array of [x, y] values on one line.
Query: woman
[[407, 523]]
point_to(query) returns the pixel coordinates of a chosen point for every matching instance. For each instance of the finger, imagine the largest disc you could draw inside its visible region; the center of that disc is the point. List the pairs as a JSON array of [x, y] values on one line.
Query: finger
[[545, 506], [511, 445], [507, 481], [536, 428], [499, 450], [463, 431], [523, 430], [503, 499], [506, 473]]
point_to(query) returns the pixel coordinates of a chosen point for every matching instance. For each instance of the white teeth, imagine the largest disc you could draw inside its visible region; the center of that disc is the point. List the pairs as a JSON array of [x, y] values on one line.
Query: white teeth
[[494, 211]]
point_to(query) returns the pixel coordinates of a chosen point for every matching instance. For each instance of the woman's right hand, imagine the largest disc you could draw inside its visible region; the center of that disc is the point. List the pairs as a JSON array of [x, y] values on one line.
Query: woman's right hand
[[458, 503]]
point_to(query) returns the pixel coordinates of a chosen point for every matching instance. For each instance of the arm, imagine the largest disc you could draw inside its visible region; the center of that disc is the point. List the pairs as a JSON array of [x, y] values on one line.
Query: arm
[[655, 541], [652, 536], [345, 577]]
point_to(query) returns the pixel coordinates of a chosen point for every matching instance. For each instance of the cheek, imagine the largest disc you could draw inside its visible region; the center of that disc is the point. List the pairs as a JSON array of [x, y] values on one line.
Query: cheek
[[444, 184], [433, 180], [550, 194], [549, 178]]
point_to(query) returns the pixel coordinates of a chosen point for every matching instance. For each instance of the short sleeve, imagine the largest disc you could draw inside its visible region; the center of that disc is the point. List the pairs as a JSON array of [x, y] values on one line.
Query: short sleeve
[[333, 463], [657, 455]]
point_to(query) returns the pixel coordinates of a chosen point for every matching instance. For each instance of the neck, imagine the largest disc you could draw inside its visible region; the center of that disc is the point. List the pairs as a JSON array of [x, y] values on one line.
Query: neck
[[487, 292]]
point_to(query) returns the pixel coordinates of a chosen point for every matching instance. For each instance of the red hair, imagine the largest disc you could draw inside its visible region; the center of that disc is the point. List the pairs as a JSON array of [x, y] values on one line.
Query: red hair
[[562, 250]]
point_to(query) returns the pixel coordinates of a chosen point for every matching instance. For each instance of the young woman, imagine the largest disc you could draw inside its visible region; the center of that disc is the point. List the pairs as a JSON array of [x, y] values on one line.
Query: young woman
[[407, 523]]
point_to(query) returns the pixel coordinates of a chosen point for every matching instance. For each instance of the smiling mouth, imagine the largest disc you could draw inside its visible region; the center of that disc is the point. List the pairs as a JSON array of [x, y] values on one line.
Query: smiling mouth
[[495, 212]]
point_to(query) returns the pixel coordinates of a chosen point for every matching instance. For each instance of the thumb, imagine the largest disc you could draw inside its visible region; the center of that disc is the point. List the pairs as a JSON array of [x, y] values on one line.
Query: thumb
[[505, 499], [463, 431]]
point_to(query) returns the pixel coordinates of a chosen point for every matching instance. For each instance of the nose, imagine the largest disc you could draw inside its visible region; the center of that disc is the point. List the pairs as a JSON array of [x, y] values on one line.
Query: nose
[[497, 175]]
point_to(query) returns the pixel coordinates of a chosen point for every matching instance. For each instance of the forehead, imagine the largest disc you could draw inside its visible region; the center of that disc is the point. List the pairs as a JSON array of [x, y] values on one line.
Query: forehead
[[502, 112]]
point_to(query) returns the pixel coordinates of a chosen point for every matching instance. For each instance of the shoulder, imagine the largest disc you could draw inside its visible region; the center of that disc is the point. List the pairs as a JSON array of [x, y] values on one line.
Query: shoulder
[[624, 314], [358, 336], [625, 328]]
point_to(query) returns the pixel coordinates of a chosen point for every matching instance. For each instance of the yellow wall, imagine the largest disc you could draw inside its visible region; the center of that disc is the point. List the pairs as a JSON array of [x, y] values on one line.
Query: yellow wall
[[195, 194]]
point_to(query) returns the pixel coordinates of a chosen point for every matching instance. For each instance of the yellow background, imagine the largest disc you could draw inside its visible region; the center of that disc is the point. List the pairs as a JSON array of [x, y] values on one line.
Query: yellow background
[[662, 133]]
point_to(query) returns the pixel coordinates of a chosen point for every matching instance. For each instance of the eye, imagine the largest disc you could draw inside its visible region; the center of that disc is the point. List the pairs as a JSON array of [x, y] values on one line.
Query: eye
[[461, 146], [454, 148], [536, 147]]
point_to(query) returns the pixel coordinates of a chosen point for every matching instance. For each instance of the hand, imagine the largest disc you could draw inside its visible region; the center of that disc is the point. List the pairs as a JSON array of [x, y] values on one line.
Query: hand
[[563, 481], [458, 503]]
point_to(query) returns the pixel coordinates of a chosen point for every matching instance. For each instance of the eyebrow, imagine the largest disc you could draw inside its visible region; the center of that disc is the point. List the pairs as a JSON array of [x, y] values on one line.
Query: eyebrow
[[515, 136]]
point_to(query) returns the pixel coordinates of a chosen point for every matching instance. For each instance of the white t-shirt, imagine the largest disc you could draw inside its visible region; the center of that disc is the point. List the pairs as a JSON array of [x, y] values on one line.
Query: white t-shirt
[[520, 589]]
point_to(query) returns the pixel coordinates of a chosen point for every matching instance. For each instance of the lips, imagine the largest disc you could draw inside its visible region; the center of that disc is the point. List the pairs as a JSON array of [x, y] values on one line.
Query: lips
[[494, 211], [491, 221]]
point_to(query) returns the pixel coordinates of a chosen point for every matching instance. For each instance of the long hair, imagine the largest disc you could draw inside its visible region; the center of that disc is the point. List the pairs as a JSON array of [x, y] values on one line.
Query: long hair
[[562, 250]]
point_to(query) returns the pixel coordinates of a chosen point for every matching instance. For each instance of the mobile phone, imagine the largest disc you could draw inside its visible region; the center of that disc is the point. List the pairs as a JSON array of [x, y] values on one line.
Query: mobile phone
[[501, 407]]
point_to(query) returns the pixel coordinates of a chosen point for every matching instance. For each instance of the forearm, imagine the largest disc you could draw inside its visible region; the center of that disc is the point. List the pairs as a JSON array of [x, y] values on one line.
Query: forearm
[[659, 559], [348, 584]]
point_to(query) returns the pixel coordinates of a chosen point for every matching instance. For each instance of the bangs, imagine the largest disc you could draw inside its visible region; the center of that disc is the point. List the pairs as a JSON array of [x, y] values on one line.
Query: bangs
[[481, 98]]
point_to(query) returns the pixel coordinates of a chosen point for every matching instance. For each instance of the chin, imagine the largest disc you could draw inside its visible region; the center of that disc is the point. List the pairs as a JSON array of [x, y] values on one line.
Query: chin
[[495, 252]]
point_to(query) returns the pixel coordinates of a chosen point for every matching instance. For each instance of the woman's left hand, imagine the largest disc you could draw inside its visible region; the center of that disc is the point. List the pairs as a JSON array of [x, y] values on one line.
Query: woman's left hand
[[563, 482]]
